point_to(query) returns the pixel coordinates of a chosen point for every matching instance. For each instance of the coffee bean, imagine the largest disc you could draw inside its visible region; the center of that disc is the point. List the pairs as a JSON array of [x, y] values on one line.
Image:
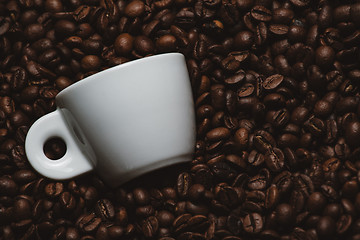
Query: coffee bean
[[24, 176], [143, 45], [67, 200], [351, 133], [322, 108], [150, 226], [274, 159], [244, 40], [285, 214], [273, 81], [263, 141], [183, 184], [326, 227], [217, 134], [261, 13], [105, 209], [165, 218], [54, 189], [246, 90], [253, 223], [255, 158], [124, 44], [324, 56], [90, 63], [64, 28], [88, 223], [272, 196]]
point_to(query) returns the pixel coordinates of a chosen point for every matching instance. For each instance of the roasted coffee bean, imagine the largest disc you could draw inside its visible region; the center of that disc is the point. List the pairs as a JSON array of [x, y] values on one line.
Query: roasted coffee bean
[[241, 137], [67, 201], [124, 44], [246, 90], [54, 189], [141, 196], [143, 45], [278, 118], [326, 226], [272, 197], [263, 141], [135, 9], [183, 184], [285, 214], [261, 13], [316, 202], [273, 81], [351, 133], [217, 134], [253, 223], [105, 209], [90, 63], [24, 176], [88, 223], [255, 158], [244, 40], [274, 159]]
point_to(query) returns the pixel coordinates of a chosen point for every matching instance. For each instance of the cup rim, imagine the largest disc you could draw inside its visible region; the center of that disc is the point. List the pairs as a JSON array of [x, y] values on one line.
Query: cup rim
[[93, 77]]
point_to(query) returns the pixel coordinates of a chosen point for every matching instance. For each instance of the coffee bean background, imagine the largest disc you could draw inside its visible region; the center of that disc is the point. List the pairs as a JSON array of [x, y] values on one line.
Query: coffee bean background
[[276, 92]]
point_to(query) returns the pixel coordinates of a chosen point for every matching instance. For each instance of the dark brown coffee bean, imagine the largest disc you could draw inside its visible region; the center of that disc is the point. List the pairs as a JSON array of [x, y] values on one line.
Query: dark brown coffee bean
[[352, 132], [150, 226], [241, 137], [273, 81], [300, 3], [263, 141], [322, 108], [226, 194], [67, 201], [272, 197], [326, 226], [274, 100], [183, 184], [124, 44], [274, 159], [324, 56], [253, 223], [141, 196], [217, 134], [261, 13], [64, 28], [278, 118], [165, 218], [54, 189], [24, 176], [90, 63], [244, 40], [105, 209], [143, 45], [279, 30], [88, 222], [282, 15], [258, 182], [255, 158], [246, 90], [202, 11], [285, 214]]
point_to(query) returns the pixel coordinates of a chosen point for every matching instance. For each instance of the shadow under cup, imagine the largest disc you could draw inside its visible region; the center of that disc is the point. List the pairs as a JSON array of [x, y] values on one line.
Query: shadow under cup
[[122, 122]]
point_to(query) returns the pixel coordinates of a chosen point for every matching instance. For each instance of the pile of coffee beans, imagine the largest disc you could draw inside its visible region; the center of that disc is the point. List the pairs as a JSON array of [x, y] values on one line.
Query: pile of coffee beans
[[276, 88]]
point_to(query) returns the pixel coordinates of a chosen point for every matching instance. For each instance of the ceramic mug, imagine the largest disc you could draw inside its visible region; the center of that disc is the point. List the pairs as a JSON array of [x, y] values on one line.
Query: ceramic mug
[[122, 122]]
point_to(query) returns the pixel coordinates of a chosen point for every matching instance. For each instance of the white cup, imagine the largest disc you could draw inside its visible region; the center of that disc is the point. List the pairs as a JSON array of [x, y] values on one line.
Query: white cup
[[121, 122]]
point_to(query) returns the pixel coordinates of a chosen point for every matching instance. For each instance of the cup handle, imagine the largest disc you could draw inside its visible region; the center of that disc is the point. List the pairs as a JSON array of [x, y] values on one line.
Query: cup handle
[[72, 164]]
